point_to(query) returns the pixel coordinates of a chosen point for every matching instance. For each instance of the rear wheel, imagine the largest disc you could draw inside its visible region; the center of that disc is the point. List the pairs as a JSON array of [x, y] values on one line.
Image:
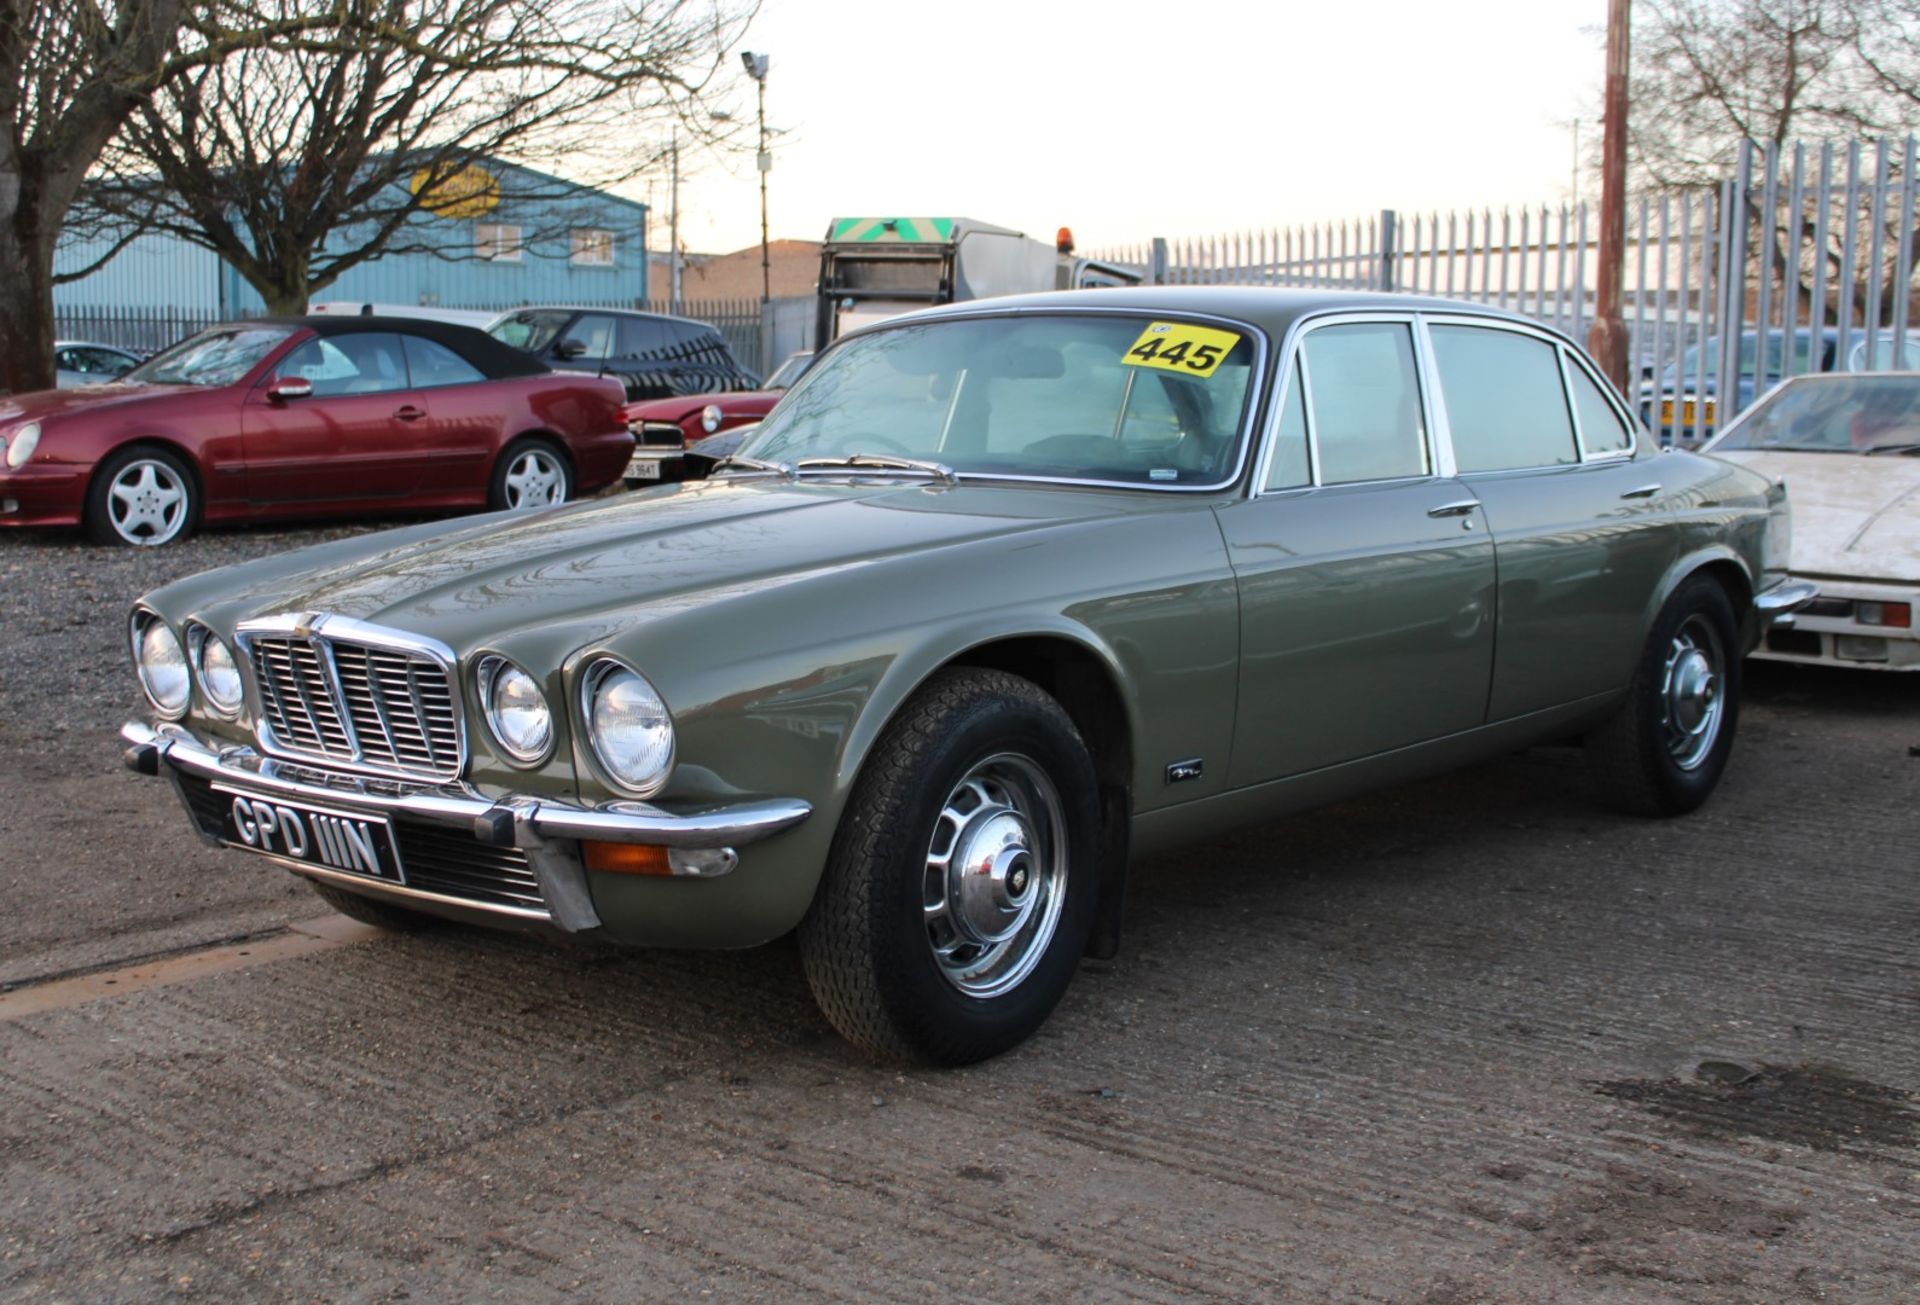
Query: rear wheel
[[143, 497], [530, 474], [960, 888], [381, 915], [1663, 750]]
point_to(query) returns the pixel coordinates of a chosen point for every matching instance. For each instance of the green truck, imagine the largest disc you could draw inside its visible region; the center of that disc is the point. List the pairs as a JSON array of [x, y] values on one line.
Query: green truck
[[873, 268]]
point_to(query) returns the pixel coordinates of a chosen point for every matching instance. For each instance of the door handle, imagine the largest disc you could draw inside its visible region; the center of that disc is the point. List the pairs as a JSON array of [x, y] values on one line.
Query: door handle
[[407, 412], [1645, 491], [1463, 508]]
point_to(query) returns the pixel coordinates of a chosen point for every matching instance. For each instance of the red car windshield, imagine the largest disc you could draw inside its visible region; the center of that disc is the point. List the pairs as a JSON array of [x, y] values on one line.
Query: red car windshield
[[220, 356]]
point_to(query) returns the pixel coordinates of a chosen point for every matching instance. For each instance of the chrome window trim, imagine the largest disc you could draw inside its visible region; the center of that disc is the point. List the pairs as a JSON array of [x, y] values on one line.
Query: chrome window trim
[[1571, 358], [1293, 348], [1246, 432], [1563, 350], [587, 672], [321, 628]]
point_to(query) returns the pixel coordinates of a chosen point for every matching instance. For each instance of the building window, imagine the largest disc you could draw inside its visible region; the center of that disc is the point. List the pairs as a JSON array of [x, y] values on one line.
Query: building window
[[592, 247], [497, 242]]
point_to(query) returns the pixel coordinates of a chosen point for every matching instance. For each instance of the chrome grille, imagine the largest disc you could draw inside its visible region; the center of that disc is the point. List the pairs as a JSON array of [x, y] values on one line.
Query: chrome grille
[[335, 697]]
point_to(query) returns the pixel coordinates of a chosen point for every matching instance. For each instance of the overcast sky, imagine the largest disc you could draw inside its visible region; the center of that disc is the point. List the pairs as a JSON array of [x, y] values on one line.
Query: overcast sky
[[1130, 119]]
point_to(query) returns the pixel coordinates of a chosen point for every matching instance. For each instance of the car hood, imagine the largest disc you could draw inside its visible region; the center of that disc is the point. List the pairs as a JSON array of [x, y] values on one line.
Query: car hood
[[680, 405], [1852, 515], [41, 405], [640, 556]]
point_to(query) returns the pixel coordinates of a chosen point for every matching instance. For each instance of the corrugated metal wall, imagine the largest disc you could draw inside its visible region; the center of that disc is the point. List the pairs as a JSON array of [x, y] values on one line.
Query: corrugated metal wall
[[158, 271]]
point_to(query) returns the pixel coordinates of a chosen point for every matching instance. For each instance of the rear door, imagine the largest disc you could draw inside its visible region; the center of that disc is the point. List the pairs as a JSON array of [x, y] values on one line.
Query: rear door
[[464, 417], [1578, 515], [1366, 576], [355, 438], [639, 357]]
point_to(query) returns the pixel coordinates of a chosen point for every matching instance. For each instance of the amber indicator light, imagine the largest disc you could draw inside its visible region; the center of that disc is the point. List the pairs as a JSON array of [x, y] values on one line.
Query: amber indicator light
[[626, 858]]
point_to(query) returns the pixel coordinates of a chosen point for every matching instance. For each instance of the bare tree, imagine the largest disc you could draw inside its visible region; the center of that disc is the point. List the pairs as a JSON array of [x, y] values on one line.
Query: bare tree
[[1708, 74], [70, 73], [304, 157]]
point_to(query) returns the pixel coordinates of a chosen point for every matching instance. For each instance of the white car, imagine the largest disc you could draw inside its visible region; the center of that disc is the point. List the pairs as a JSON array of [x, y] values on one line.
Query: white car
[[1849, 449], [78, 362]]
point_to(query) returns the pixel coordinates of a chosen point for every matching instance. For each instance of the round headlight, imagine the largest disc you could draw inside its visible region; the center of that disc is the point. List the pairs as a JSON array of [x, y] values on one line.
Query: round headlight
[[219, 673], [629, 728], [516, 710], [162, 663], [710, 417], [27, 438]]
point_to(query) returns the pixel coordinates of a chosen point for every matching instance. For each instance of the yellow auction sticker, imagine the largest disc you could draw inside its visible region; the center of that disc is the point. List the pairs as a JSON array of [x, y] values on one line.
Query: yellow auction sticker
[[1180, 347]]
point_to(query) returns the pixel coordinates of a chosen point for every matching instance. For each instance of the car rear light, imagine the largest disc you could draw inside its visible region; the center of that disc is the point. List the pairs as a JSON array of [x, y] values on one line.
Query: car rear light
[[1897, 615]]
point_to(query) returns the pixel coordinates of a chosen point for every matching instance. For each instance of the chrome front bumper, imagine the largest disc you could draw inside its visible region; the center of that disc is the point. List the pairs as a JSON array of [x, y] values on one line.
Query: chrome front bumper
[[1778, 602], [546, 830]]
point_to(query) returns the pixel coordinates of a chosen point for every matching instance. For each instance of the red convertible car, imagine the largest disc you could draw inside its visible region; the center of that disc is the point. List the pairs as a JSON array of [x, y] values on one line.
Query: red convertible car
[[308, 417], [666, 430]]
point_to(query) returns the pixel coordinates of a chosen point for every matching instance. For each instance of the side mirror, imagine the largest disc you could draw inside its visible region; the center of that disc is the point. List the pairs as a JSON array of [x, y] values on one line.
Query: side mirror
[[289, 387], [569, 349]]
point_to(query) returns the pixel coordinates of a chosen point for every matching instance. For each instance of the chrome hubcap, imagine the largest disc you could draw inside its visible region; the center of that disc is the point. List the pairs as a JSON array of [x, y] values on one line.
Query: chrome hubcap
[[147, 503], [1692, 693], [536, 479], [996, 875]]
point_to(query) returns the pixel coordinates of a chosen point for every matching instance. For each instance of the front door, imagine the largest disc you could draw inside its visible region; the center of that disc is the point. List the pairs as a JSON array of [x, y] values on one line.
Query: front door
[[351, 440], [1366, 580]]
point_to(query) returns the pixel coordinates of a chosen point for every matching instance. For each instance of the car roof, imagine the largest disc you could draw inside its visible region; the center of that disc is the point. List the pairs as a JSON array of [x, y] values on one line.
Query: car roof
[[494, 359], [92, 344], [1268, 307], [609, 312]]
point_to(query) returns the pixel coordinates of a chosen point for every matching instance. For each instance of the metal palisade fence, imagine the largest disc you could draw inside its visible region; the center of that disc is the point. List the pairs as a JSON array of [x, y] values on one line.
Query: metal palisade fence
[[758, 347], [1823, 233]]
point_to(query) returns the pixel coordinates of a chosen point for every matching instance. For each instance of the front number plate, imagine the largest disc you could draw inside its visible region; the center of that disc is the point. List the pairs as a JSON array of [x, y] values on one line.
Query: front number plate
[[643, 469], [347, 841]]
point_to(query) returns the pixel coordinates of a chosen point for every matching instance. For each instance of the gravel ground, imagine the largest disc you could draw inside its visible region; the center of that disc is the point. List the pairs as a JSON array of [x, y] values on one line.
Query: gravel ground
[[1471, 1040], [120, 879]]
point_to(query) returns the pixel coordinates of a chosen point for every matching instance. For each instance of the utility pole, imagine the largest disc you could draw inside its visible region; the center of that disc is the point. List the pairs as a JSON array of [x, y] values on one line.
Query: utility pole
[[673, 227], [1607, 339]]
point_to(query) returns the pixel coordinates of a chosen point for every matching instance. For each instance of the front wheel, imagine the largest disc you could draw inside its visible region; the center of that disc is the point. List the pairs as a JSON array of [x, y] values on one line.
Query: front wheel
[[1663, 750], [142, 496], [960, 888], [530, 474]]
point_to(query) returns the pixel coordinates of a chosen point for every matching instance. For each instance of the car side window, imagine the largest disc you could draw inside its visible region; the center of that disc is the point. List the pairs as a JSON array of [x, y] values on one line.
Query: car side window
[[1506, 405], [1367, 421], [105, 362], [65, 360], [1601, 430], [348, 364], [430, 364], [641, 337], [1288, 470], [592, 332]]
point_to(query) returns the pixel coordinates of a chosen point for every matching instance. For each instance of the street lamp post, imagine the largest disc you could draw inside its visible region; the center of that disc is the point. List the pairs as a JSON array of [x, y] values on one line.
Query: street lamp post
[[756, 65]]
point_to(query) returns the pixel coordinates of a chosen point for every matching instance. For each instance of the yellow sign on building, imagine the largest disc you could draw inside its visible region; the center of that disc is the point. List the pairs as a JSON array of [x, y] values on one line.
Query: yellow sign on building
[[468, 193]]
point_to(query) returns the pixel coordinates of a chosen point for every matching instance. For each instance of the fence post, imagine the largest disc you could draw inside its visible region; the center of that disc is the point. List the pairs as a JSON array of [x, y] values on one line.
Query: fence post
[[1389, 236], [1733, 289], [1157, 262]]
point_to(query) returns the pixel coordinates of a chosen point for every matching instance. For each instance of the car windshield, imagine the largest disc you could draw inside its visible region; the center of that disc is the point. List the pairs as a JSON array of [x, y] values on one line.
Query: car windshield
[[530, 331], [1839, 414], [1690, 364], [789, 371], [1127, 399], [219, 356]]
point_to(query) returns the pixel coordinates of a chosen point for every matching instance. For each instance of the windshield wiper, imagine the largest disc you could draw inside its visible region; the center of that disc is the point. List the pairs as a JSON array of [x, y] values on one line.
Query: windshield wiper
[[1892, 448], [782, 469], [883, 462]]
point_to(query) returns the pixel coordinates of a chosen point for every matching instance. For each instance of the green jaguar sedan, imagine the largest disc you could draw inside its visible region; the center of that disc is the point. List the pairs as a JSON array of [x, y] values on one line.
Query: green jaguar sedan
[[998, 597]]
